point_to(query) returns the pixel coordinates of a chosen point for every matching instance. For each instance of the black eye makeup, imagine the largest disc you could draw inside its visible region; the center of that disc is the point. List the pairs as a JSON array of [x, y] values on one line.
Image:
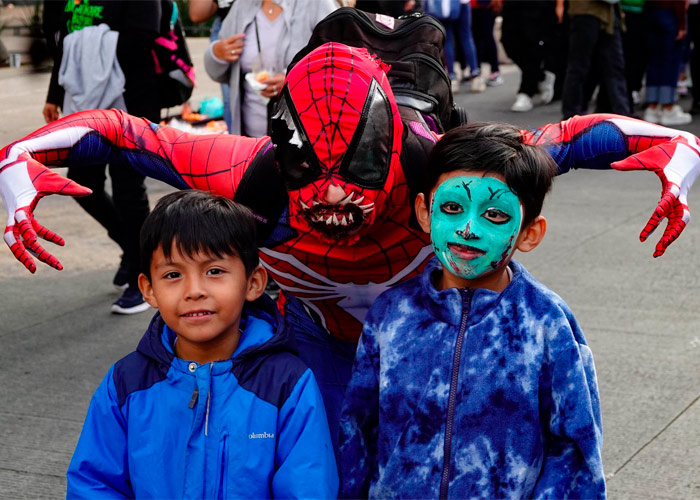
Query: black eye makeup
[[450, 207], [496, 216]]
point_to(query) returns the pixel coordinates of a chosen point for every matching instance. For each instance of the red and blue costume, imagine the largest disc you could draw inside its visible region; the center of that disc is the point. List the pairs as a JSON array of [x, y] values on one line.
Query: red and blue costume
[[333, 188]]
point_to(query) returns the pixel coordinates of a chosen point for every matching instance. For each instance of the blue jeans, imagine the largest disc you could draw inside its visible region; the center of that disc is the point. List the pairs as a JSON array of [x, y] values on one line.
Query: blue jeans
[[462, 27], [225, 89], [664, 52]]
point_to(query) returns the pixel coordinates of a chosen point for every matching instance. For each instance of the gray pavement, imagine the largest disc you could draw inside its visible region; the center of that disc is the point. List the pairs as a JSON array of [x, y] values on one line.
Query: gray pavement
[[640, 315]]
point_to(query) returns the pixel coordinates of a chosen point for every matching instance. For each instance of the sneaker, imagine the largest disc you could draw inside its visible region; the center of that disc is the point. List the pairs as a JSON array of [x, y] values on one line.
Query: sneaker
[[652, 115], [131, 302], [675, 116], [454, 85], [495, 79], [121, 278], [522, 103], [478, 84], [546, 87]]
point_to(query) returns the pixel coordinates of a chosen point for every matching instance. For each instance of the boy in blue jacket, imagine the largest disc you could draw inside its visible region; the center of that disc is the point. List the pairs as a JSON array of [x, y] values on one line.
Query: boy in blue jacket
[[474, 380], [213, 403]]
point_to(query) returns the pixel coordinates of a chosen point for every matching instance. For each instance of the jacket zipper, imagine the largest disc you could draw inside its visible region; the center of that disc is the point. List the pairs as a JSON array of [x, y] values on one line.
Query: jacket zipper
[[451, 402], [206, 420]]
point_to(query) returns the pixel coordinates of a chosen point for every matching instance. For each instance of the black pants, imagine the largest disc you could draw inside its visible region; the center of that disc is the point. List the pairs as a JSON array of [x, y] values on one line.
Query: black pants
[[122, 213], [589, 45], [525, 37], [482, 28], [694, 33]]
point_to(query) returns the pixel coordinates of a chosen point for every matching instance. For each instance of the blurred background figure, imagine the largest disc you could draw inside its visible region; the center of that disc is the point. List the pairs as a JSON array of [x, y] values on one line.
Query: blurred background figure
[[484, 14], [665, 22], [634, 48], [694, 35], [256, 43], [138, 24], [595, 51], [528, 27], [201, 11], [448, 13], [465, 48]]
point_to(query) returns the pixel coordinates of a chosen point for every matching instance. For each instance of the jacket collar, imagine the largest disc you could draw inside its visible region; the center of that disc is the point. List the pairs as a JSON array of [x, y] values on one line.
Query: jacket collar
[[263, 331], [447, 304]]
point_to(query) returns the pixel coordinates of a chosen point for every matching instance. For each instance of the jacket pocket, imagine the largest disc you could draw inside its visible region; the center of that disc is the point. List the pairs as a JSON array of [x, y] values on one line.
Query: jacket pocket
[[222, 487]]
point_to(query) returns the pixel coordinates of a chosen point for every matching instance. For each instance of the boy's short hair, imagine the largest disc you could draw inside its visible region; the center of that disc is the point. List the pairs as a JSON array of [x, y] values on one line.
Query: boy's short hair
[[496, 148], [197, 221]]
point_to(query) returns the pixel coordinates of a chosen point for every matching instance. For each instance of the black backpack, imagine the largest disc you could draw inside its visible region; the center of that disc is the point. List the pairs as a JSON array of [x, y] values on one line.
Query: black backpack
[[411, 45], [173, 64]]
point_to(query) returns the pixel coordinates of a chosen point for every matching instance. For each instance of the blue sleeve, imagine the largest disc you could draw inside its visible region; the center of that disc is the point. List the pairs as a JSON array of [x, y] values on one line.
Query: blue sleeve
[[99, 467], [304, 463], [591, 142], [359, 420], [572, 466]]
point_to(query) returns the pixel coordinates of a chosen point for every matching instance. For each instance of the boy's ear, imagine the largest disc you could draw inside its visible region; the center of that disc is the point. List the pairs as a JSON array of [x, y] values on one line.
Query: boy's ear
[[532, 235], [257, 281], [422, 212], [147, 291]]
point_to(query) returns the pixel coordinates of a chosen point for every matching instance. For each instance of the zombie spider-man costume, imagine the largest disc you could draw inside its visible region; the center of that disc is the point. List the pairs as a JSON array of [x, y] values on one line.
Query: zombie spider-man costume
[[334, 195]]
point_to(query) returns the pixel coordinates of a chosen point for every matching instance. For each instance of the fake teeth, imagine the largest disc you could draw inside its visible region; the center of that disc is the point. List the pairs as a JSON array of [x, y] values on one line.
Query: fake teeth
[[333, 220], [303, 205]]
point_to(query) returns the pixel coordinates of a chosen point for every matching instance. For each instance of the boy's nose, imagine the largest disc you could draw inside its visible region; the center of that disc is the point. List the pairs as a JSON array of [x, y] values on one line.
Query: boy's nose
[[194, 289]]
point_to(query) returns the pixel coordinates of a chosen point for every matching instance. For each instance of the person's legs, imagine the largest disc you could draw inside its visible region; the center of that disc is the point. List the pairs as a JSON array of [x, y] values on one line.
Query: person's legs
[[225, 88], [467, 39], [583, 36], [99, 204], [694, 34], [612, 66]]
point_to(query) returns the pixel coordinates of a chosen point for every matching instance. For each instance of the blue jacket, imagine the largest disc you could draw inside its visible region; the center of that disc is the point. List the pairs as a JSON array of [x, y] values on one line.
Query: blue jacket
[[253, 426], [471, 394]]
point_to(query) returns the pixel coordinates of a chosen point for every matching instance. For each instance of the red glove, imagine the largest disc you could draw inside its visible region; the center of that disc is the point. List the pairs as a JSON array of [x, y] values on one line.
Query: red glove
[[677, 163], [23, 182]]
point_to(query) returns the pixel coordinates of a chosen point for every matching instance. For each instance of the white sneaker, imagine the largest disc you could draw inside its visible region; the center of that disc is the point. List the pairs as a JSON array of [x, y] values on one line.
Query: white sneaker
[[546, 87], [652, 115], [522, 103], [454, 85], [675, 116], [478, 84]]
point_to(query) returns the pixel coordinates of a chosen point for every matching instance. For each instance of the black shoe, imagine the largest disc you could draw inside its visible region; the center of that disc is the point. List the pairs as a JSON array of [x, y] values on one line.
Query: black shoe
[[131, 302], [121, 279]]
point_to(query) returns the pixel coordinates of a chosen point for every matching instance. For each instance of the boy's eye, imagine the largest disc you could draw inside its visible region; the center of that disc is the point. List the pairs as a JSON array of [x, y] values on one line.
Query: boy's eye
[[215, 271], [496, 216], [450, 207], [171, 275]]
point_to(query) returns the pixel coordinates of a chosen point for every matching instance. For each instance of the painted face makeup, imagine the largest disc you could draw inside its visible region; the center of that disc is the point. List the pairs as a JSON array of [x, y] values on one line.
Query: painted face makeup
[[474, 222]]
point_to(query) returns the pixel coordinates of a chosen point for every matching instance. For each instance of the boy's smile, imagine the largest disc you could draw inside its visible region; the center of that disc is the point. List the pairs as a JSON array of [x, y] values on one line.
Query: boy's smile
[[201, 300]]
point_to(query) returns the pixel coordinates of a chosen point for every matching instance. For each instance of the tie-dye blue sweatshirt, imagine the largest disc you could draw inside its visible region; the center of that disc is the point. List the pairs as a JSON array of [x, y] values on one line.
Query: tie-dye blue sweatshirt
[[471, 394]]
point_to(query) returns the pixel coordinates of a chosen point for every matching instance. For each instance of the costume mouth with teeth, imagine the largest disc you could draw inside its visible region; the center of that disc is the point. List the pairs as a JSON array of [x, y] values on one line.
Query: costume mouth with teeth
[[339, 157]]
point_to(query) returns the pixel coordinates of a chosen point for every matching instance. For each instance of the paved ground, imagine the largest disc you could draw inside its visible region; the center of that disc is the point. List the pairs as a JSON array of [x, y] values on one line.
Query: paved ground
[[640, 316]]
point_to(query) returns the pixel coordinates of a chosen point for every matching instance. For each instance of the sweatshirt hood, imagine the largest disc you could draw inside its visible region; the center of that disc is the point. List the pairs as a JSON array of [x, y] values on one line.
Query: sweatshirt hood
[[264, 331]]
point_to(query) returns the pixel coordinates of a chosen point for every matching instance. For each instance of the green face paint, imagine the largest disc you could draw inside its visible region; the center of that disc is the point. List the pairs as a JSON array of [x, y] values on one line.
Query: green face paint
[[474, 222]]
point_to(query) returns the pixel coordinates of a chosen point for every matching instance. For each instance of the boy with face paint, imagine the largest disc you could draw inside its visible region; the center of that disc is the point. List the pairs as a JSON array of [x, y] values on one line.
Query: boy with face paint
[[473, 379]]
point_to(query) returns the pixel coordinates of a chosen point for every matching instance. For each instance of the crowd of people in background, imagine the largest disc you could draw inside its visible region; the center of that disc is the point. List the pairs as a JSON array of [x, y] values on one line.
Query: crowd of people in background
[[629, 57]]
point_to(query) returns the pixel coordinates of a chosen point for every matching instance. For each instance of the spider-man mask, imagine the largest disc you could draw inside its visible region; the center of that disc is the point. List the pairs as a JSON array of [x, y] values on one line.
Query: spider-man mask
[[337, 134]]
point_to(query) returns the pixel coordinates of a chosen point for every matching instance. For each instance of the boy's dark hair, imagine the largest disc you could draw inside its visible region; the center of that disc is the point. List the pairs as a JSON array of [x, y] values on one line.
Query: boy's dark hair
[[496, 148], [199, 222]]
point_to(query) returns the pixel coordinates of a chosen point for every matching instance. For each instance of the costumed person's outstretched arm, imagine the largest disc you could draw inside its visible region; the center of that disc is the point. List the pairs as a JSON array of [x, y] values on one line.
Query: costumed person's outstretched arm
[[215, 163], [602, 141]]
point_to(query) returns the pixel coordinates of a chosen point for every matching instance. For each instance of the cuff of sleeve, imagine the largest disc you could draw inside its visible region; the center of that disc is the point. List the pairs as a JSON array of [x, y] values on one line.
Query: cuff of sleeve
[[213, 56]]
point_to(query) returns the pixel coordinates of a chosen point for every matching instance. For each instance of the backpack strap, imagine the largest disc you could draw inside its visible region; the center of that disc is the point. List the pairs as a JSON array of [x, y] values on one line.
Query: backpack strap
[[417, 143]]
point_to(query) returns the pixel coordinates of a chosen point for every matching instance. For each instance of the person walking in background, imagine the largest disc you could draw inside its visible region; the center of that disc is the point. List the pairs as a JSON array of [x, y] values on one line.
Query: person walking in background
[[633, 45], [483, 19], [256, 43], [137, 25], [465, 48], [665, 23], [203, 10], [595, 43], [448, 13], [527, 27]]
